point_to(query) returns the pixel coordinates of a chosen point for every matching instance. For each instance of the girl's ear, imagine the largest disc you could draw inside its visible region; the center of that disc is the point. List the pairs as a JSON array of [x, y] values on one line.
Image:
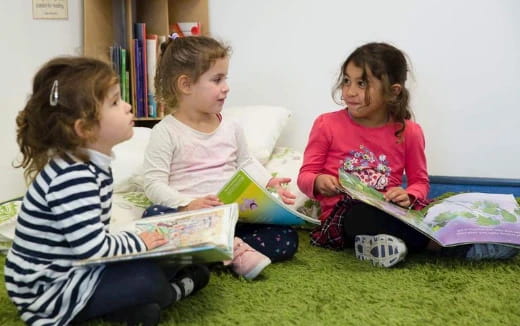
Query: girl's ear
[[184, 84], [396, 89], [84, 133]]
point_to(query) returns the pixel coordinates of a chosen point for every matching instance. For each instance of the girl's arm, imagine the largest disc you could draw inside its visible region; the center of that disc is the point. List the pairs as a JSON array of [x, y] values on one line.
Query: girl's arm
[[74, 199], [415, 164], [314, 159], [157, 161]]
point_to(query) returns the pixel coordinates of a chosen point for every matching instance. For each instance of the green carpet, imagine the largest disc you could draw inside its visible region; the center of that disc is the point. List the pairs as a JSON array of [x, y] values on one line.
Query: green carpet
[[323, 287]]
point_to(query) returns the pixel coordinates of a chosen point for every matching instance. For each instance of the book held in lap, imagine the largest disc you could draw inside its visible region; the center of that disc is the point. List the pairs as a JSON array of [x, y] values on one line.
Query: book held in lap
[[459, 219], [198, 236]]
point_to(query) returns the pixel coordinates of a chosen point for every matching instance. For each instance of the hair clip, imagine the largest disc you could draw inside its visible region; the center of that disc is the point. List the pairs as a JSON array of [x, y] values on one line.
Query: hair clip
[[53, 97], [173, 36]]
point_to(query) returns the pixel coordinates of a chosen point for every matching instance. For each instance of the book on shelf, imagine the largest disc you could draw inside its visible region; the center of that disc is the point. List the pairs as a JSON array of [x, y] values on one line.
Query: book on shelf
[[141, 65], [118, 58], [257, 204], [458, 219], [151, 61], [198, 236]]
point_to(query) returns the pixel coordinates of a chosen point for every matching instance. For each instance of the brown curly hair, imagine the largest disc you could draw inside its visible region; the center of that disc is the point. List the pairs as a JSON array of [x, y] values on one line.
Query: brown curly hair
[[390, 66], [191, 56], [43, 130]]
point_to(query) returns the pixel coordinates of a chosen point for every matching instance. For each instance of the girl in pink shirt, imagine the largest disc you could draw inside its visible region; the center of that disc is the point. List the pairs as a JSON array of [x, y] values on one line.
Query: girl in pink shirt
[[374, 139]]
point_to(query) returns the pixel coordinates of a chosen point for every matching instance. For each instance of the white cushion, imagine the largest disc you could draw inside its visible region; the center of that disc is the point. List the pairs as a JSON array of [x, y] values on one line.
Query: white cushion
[[262, 125], [127, 166]]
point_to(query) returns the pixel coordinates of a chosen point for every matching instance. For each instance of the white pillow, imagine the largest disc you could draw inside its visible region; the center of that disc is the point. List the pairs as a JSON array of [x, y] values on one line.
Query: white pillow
[[127, 166], [262, 125]]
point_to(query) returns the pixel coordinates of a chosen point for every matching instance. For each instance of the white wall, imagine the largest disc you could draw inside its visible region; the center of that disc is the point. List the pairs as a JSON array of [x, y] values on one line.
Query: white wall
[[465, 56], [31, 43]]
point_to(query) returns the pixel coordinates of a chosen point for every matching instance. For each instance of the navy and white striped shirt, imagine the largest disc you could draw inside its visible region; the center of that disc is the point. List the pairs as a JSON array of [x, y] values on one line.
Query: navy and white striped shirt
[[64, 217]]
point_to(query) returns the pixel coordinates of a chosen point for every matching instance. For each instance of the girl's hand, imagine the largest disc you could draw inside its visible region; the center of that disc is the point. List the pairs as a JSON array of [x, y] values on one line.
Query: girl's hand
[[398, 196], [280, 186], [203, 202], [152, 239], [326, 185]]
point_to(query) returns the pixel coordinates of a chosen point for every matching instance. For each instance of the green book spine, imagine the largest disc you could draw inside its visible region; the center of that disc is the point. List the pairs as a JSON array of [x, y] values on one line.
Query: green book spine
[[124, 76]]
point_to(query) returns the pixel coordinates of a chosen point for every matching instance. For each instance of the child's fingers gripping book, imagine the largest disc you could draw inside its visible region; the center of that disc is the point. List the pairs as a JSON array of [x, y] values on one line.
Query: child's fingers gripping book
[[455, 220], [199, 236], [257, 204]]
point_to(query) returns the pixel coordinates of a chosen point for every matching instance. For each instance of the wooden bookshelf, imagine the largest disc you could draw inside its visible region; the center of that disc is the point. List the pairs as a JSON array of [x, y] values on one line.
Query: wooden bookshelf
[[109, 22]]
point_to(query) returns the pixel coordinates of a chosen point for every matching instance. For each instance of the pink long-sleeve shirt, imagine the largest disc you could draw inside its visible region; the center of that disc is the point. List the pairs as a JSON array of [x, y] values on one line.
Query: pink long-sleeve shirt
[[374, 154]]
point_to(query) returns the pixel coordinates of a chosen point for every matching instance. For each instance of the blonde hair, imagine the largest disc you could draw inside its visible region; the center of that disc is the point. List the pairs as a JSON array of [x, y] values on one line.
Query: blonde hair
[[191, 56], [45, 130]]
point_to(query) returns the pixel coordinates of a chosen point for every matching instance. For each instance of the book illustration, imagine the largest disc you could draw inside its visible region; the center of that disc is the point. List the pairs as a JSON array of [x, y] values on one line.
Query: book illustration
[[199, 236], [257, 204], [185, 231], [248, 204], [458, 219]]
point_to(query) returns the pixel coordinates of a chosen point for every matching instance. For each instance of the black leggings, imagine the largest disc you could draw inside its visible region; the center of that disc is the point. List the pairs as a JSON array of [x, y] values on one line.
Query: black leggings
[[365, 219], [126, 286]]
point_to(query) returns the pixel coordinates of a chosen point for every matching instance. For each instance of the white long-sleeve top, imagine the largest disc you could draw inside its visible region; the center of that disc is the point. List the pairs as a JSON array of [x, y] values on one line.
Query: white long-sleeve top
[[182, 164]]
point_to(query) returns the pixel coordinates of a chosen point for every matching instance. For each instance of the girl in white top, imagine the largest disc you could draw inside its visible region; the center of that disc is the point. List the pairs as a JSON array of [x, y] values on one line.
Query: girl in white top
[[193, 151]]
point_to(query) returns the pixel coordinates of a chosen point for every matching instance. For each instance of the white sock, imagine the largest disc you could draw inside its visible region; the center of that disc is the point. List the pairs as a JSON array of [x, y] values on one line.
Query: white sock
[[187, 287]]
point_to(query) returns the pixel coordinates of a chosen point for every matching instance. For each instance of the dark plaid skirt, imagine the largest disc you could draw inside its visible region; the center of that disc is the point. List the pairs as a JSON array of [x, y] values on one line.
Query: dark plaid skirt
[[330, 233]]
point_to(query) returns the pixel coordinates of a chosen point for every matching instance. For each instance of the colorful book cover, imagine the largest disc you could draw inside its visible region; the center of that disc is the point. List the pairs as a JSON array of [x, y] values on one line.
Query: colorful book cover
[[258, 205], [459, 219], [199, 236]]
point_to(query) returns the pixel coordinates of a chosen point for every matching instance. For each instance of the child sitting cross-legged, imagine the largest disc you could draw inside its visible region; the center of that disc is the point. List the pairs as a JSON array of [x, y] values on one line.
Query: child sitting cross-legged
[[66, 133], [374, 138], [194, 150]]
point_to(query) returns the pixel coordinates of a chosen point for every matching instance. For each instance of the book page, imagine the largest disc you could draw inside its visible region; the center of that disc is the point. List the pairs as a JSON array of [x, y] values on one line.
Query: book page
[[459, 219], [187, 230], [475, 217]]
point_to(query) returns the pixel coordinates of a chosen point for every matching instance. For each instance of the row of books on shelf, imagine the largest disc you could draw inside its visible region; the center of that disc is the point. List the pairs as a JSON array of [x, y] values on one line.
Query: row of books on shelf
[[137, 74]]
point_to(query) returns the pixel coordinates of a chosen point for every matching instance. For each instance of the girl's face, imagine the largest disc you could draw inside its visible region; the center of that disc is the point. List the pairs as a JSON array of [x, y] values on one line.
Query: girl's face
[[210, 91], [115, 123], [354, 92]]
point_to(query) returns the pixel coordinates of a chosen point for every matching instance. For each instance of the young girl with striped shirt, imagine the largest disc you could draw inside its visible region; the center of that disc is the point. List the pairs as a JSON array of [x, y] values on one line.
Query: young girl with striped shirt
[[66, 133]]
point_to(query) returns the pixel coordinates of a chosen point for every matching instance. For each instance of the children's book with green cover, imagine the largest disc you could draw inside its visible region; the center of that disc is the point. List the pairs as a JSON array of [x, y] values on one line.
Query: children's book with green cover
[[459, 219], [257, 204], [198, 236]]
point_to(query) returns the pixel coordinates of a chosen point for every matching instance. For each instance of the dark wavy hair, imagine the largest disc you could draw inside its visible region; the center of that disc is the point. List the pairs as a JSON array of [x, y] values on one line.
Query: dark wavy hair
[[390, 66], [45, 130]]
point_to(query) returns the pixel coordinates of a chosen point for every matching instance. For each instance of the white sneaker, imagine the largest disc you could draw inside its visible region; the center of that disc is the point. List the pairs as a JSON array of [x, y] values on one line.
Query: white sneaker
[[382, 249]]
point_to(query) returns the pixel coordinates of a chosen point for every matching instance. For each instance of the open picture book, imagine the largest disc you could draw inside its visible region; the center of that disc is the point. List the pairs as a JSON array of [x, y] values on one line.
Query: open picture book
[[257, 204], [198, 236], [459, 219]]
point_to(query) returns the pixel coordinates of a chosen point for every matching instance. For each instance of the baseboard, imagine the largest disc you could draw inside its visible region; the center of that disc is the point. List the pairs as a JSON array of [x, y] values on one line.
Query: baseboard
[[442, 184]]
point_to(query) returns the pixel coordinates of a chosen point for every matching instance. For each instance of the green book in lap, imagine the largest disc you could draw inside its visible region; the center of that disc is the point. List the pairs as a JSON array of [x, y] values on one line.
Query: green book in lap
[[257, 204]]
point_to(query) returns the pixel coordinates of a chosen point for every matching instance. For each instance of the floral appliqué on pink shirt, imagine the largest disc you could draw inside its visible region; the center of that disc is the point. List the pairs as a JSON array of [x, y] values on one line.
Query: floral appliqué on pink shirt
[[372, 170]]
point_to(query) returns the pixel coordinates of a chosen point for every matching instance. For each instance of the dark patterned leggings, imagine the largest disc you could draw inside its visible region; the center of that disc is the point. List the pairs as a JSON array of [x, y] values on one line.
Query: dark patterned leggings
[[278, 242]]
